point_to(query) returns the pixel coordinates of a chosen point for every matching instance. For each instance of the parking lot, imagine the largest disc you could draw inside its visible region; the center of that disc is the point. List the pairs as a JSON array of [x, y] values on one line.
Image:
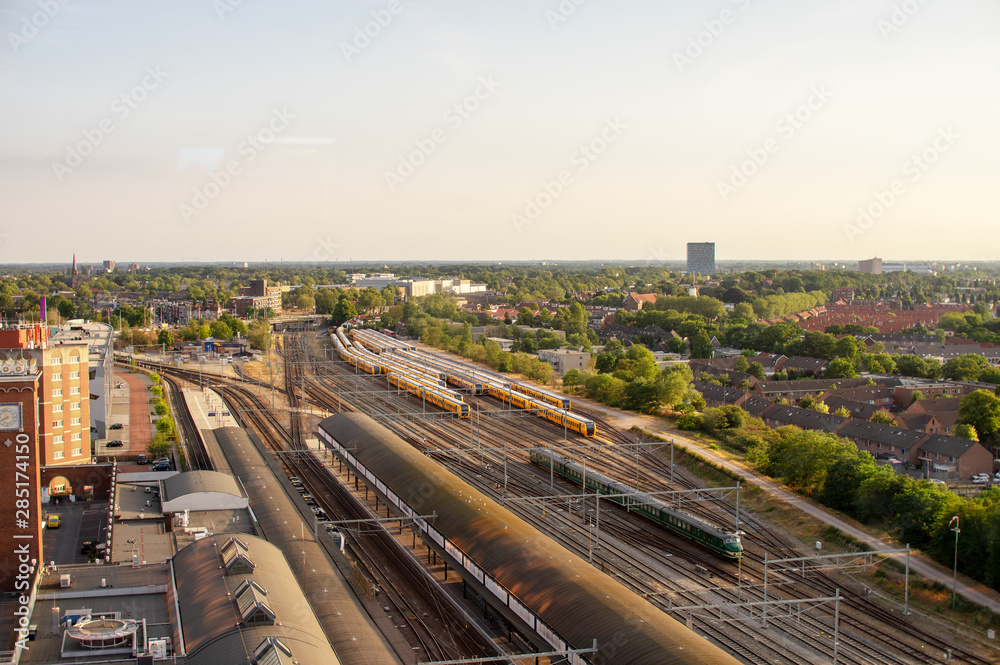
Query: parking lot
[[80, 521]]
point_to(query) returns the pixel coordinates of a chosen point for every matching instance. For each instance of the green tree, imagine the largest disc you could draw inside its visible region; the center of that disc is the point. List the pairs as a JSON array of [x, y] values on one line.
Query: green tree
[[165, 337], [66, 309], [165, 425], [677, 345], [701, 345], [966, 431], [883, 417], [343, 311], [742, 365], [879, 363], [915, 396], [159, 446], [259, 335], [840, 368], [842, 412], [160, 407], [221, 331], [757, 370], [305, 302], [966, 367], [572, 378], [643, 396], [981, 409]]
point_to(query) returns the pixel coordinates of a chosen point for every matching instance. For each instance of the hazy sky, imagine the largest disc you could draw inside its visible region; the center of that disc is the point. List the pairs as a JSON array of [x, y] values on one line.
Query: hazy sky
[[410, 130]]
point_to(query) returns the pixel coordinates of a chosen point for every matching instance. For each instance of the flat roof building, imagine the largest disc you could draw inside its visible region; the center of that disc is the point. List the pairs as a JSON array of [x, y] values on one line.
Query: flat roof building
[[701, 257], [870, 266]]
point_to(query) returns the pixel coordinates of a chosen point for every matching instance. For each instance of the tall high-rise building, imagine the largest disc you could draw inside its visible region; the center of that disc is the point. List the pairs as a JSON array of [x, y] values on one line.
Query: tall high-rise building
[[63, 393], [20, 457], [109, 265], [871, 266], [701, 257]]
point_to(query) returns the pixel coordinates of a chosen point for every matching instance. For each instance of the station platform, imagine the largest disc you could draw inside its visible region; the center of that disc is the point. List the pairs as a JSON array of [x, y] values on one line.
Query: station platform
[[208, 413]]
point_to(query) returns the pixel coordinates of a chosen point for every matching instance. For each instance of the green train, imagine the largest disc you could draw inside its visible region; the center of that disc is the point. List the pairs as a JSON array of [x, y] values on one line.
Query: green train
[[725, 543]]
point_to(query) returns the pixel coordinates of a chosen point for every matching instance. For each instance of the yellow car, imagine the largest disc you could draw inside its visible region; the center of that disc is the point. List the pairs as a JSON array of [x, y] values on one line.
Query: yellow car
[[52, 522]]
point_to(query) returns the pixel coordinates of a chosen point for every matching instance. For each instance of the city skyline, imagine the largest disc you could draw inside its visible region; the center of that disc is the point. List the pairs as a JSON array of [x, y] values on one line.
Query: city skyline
[[395, 131]]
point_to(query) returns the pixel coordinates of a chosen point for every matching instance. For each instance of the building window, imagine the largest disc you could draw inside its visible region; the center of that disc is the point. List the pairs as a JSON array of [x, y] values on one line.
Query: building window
[[57, 423], [74, 390], [57, 408], [74, 375], [57, 454], [77, 452], [75, 436], [75, 406], [57, 376], [73, 360], [57, 439], [56, 361], [57, 392], [74, 421]]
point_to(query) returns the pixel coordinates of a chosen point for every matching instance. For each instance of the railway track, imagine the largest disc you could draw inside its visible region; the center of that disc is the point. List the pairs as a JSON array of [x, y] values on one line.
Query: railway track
[[869, 633], [907, 644]]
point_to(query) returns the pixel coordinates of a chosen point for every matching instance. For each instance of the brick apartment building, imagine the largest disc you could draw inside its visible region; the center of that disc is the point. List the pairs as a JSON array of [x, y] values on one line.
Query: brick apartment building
[[20, 511], [257, 296], [63, 391]]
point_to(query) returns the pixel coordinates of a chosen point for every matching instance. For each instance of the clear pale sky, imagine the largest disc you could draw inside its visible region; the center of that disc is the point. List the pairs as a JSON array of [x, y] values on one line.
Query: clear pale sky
[[835, 104]]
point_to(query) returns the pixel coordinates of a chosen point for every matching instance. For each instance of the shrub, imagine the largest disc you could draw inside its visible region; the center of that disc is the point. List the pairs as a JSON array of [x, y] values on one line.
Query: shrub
[[691, 422]]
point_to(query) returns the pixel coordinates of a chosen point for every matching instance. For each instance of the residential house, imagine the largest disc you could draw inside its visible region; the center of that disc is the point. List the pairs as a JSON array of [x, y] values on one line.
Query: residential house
[[952, 453], [804, 418], [859, 410], [720, 395], [881, 440], [636, 301], [945, 409], [919, 422]]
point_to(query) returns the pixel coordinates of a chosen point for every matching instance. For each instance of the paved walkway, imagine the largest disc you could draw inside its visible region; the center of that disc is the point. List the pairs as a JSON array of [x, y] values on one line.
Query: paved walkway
[[977, 593], [139, 430]]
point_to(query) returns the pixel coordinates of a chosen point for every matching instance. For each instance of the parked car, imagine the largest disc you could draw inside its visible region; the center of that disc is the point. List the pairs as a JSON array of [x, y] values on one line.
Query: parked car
[[117, 426], [935, 481], [162, 466], [981, 479], [162, 460], [52, 522], [141, 459], [117, 443]]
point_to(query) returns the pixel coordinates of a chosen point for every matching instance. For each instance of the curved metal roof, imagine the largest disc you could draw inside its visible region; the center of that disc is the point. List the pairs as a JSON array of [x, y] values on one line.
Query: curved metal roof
[[214, 628], [193, 482], [574, 598]]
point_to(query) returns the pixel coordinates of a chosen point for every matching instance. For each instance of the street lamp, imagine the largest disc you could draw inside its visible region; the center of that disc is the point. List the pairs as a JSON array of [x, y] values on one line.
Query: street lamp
[[954, 584]]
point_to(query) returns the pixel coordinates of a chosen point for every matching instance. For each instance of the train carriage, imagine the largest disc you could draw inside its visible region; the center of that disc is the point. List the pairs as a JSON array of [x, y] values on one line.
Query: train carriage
[[720, 541]]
